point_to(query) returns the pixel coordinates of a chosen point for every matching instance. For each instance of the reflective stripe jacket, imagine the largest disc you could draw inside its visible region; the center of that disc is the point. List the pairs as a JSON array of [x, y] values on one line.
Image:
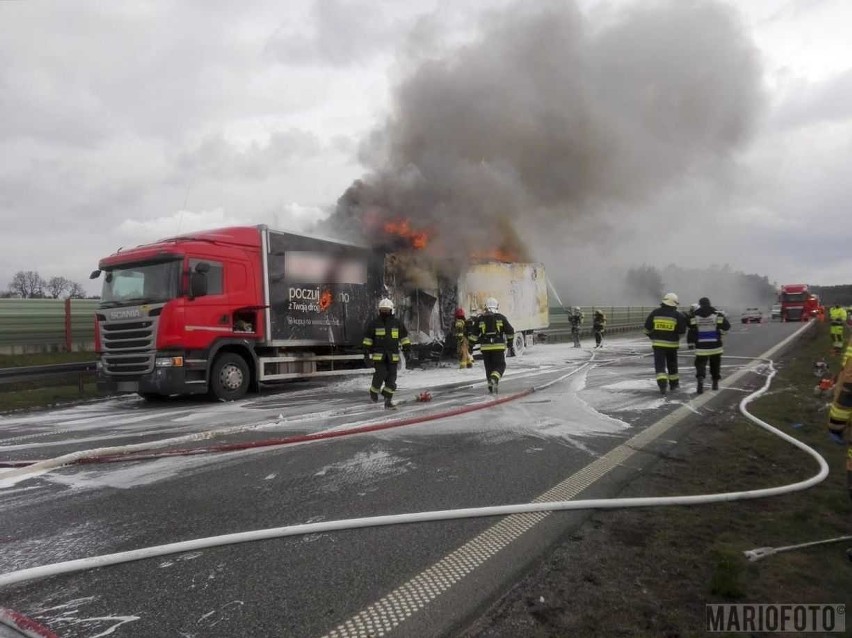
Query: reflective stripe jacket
[[383, 337], [706, 328], [837, 314], [664, 326], [491, 331], [840, 412]]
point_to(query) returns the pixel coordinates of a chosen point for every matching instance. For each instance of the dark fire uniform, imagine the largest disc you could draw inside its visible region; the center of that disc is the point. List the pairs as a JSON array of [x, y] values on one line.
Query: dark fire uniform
[[664, 326], [492, 331], [383, 338]]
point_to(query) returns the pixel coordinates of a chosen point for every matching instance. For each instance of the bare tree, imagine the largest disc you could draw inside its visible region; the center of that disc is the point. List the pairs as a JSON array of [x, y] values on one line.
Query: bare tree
[[57, 286], [76, 291], [27, 284]]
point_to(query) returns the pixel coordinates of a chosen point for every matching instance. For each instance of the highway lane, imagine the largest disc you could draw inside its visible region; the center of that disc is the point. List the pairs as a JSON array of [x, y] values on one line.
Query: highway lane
[[309, 586]]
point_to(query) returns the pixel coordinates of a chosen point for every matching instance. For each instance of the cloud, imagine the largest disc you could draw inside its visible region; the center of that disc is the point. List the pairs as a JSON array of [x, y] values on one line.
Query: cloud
[[814, 103], [620, 133], [215, 157], [337, 32]]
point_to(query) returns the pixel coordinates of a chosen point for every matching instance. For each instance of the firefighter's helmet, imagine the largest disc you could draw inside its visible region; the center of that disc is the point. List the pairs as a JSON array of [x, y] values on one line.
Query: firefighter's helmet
[[670, 299], [386, 304], [459, 313], [491, 304], [576, 310]]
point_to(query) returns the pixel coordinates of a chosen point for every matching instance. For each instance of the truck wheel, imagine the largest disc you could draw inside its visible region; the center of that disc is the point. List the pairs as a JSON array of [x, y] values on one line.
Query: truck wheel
[[519, 344], [229, 378]]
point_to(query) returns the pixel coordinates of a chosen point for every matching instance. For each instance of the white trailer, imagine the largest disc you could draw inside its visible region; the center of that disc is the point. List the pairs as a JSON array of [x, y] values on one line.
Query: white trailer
[[519, 288]]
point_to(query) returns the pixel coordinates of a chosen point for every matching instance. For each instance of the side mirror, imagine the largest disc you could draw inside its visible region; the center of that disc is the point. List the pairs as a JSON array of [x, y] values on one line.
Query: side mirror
[[197, 285], [95, 274]]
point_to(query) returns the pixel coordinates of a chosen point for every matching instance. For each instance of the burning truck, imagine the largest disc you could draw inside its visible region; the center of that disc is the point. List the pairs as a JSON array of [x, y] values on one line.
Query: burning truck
[[219, 312], [426, 297]]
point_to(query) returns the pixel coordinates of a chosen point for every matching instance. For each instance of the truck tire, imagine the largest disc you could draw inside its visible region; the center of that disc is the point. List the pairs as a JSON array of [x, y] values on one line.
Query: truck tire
[[519, 344], [229, 377]]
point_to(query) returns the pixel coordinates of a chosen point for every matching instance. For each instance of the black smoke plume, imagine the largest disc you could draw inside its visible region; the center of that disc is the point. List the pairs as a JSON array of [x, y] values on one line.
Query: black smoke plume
[[551, 128]]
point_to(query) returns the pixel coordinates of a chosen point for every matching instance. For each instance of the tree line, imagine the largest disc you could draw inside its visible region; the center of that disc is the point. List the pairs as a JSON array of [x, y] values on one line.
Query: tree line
[[830, 295], [30, 284], [722, 285]]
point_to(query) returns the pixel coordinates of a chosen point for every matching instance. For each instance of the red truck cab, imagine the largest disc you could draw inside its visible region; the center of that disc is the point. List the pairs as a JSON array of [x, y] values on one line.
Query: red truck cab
[[167, 308]]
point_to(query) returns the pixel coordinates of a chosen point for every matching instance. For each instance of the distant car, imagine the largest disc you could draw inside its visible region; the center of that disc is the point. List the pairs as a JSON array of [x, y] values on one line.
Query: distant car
[[752, 315], [776, 311]]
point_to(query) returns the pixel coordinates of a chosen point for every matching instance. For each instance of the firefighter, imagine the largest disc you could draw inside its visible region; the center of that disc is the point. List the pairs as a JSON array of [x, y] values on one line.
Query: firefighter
[[598, 326], [460, 330], [664, 326], [705, 330], [837, 316], [840, 412], [492, 331], [575, 319], [691, 313], [383, 338]]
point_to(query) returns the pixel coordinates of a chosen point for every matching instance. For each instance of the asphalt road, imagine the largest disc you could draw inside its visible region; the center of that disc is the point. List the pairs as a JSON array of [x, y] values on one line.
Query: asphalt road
[[419, 579]]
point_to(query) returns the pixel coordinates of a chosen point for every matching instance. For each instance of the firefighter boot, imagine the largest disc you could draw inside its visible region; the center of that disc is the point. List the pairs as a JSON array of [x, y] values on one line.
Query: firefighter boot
[[389, 404], [374, 396], [674, 385], [715, 384], [662, 384], [699, 387]]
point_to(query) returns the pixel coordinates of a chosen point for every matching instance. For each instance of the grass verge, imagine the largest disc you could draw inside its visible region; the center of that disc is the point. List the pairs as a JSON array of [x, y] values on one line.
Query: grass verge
[[47, 392], [651, 572]]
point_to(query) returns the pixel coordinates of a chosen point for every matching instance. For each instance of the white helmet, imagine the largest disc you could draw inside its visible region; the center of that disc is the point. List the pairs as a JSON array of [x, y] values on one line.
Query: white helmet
[[576, 310], [491, 304], [386, 304], [670, 299], [694, 307]]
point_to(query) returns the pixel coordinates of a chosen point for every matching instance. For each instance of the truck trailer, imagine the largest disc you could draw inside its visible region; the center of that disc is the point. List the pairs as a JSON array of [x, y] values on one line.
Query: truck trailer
[[426, 298], [222, 311]]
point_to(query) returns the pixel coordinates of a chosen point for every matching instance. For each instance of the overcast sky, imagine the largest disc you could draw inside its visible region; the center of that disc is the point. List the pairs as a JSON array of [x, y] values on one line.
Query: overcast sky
[[689, 132]]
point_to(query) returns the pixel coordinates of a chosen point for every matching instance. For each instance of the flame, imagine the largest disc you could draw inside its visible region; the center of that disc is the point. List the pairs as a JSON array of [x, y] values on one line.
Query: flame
[[402, 228], [495, 254], [325, 300]]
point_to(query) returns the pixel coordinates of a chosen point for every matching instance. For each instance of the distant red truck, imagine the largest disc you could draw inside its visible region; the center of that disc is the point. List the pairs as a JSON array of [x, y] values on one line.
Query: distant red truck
[[797, 302]]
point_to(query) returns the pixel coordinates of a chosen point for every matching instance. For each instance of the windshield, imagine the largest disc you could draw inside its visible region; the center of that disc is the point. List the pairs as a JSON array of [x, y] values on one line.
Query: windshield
[[788, 297], [141, 283]]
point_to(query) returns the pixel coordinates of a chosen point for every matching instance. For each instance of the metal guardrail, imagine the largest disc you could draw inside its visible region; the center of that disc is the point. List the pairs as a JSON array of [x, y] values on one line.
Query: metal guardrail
[[620, 319], [46, 317], [34, 373]]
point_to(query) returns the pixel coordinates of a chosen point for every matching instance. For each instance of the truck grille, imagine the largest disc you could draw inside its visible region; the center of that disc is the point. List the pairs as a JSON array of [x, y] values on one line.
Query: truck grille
[[128, 346]]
